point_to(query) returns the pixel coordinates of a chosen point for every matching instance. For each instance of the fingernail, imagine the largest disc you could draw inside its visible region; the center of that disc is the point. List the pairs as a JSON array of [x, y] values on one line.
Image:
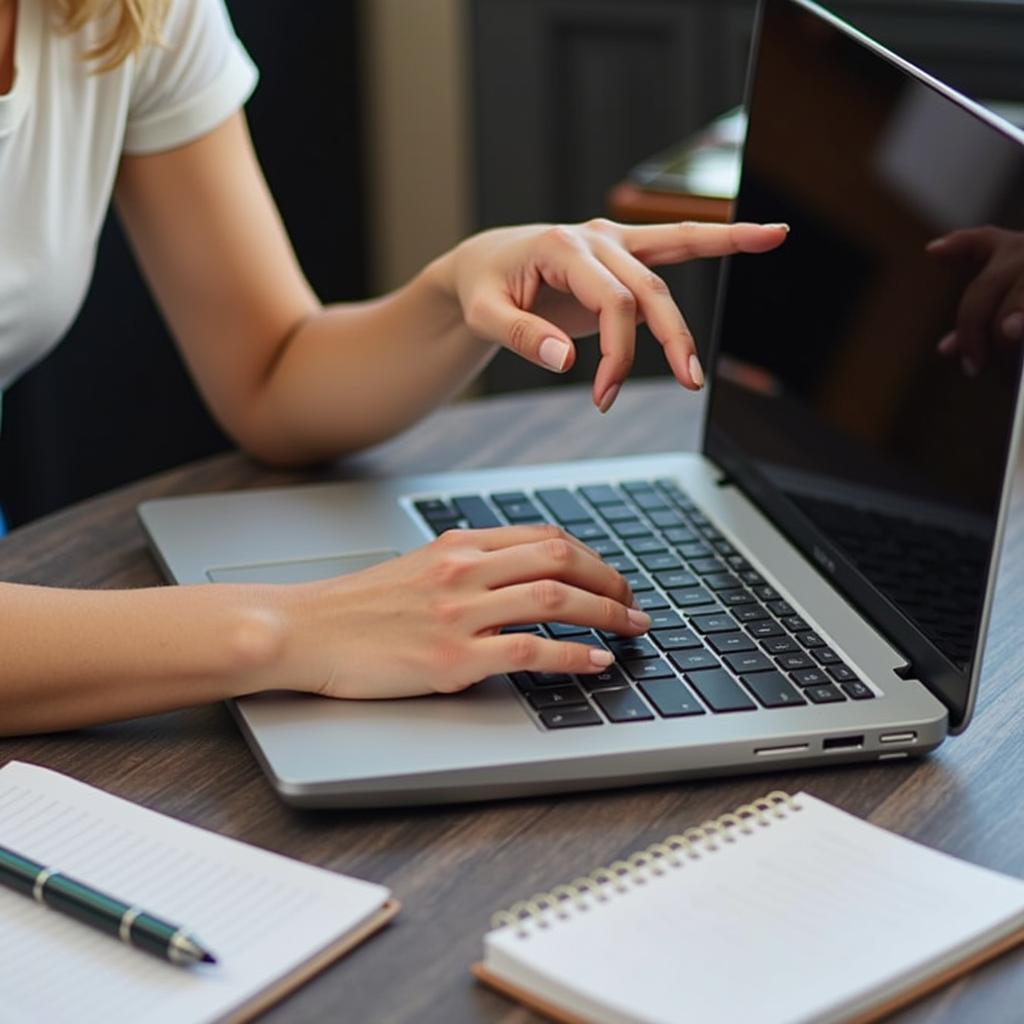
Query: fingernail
[[1013, 326], [639, 619], [554, 352], [602, 659], [609, 398], [696, 373], [970, 366], [948, 343], [780, 227]]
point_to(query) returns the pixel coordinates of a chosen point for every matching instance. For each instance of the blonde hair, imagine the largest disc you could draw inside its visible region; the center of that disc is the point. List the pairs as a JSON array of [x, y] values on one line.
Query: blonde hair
[[130, 25]]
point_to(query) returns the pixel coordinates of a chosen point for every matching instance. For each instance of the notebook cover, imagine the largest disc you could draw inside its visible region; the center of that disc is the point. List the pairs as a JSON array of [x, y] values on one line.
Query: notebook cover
[[262, 1000], [874, 1013]]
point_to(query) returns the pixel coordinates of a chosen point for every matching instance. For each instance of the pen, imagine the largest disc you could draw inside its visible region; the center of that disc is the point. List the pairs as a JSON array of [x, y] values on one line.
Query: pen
[[129, 923]]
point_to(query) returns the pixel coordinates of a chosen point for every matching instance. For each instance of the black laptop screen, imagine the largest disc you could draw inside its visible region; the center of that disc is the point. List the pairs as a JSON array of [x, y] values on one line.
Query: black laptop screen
[[881, 456]]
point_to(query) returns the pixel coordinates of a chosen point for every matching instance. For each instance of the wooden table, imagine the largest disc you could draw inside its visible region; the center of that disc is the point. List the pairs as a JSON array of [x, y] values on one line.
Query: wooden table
[[451, 866]]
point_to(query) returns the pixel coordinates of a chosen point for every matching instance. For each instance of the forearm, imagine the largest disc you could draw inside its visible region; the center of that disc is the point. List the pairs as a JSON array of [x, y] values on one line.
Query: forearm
[[76, 657], [355, 374]]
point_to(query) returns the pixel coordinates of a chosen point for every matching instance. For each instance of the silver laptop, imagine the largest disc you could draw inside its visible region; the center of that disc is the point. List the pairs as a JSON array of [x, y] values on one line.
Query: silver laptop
[[819, 574]]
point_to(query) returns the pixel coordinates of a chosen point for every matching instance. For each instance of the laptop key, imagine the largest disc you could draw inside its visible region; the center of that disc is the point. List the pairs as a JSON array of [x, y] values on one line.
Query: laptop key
[[695, 550], [679, 639], [617, 513], [550, 679], [650, 601], [694, 661], [520, 511], [659, 562], [671, 698], [720, 691], [523, 629], [606, 548], [720, 581], [708, 624], [623, 706], [628, 648], [735, 598], [795, 624], [762, 630], [664, 518], [522, 681], [601, 494], [587, 531], [569, 718], [747, 662], [631, 528], [780, 608], [772, 690], [433, 508], [707, 565], [827, 694], [672, 578], [638, 582], [664, 620], [556, 696], [612, 678], [645, 545], [810, 639], [563, 505], [840, 673], [792, 662], [809, 677], [780, 645], [857, 690], [731, 643], [826, 656], [649, 500], [476, 512], [649, 668], [620, 563], [680, 535], [754, 613], [690, 597]]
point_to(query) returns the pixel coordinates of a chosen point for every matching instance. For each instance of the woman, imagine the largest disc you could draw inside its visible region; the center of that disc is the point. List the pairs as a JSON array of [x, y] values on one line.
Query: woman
[[140, 100]]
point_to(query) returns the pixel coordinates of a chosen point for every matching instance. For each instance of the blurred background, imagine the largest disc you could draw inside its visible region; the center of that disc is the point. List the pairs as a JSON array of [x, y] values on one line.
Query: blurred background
[[390, 129]]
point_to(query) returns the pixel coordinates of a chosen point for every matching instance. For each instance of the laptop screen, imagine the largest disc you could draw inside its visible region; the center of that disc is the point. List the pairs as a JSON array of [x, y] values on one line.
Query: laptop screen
[[833, 404]]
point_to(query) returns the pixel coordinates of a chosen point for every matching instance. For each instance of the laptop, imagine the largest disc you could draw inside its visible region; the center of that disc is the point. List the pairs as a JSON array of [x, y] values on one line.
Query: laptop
[[819, 574]]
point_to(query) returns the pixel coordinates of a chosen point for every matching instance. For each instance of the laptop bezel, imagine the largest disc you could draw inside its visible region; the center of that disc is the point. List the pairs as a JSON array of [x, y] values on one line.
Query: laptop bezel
[[955, 689]]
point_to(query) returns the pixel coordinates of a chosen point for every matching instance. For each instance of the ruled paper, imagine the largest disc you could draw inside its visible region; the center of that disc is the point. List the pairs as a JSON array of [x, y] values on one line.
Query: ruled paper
[[261, 914]]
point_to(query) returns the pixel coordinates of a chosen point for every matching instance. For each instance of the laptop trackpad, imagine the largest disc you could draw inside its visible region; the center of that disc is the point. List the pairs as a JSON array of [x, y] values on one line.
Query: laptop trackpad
[[303, 570]]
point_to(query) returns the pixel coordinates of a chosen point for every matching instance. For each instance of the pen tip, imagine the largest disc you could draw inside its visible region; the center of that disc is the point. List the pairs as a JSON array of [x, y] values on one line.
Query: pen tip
[[209, 958]]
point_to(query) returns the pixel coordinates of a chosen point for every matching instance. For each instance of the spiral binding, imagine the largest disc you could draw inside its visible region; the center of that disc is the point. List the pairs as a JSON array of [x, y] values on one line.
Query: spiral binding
[[674, 852]]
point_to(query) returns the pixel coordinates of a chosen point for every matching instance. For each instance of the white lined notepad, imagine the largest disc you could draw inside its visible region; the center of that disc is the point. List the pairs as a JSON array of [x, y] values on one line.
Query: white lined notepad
[[787, 911], [268, 919]]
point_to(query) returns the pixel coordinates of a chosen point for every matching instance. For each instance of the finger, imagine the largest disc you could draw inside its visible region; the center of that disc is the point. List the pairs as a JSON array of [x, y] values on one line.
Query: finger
[[968, 243], [1010, 318], [660, 312], [554, 559], [550, 600], [537, 340], [498, 537], [524, 652], [568, 265], [657, 244], [976, 326]]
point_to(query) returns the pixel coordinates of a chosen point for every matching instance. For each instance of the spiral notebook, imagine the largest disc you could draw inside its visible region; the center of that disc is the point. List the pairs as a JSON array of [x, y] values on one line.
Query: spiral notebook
[[272, 922], [785, 910]]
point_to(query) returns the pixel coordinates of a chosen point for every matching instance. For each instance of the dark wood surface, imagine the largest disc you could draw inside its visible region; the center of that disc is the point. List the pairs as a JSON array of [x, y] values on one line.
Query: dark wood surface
[[451, 866]]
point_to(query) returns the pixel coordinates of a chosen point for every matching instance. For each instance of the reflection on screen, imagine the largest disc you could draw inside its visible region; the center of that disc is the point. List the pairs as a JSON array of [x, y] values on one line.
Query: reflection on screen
[[830, 383]]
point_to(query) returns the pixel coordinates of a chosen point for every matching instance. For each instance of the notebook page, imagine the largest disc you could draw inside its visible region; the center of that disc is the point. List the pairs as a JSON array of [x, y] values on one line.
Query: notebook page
[[259, 913], [800, 921]]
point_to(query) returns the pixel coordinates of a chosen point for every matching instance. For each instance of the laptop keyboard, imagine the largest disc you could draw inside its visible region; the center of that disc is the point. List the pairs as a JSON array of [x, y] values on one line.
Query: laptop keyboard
[[721, 641]]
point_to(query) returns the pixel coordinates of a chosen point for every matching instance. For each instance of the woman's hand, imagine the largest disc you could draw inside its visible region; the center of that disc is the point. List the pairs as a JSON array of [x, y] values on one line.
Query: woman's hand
[[430, 621], [536, 287], [992, 306]]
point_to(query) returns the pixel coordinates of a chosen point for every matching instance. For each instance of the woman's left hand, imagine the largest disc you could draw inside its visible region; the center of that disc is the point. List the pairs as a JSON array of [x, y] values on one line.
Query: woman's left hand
[[534, 288]]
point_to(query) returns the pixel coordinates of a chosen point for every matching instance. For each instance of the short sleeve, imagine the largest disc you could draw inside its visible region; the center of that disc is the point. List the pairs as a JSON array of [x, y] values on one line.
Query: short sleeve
[[192, 81]]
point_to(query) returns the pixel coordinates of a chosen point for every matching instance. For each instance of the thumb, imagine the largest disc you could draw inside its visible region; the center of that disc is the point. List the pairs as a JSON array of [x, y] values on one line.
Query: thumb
[[528, 335]]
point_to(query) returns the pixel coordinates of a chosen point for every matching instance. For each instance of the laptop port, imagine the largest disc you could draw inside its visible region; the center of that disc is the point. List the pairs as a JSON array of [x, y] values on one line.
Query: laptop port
[[897, 737], [792, 748], [843, 743]]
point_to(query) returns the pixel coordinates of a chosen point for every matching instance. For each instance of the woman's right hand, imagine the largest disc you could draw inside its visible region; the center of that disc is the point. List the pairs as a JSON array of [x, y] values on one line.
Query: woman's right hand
[[430, 621]]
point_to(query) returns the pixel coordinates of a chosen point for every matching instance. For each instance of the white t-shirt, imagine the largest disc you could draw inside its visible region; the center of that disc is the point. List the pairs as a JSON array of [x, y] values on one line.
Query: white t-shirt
[[63, 129]]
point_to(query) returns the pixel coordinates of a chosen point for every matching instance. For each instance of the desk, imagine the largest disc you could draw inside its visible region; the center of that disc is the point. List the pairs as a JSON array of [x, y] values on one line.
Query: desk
[[452, 866]]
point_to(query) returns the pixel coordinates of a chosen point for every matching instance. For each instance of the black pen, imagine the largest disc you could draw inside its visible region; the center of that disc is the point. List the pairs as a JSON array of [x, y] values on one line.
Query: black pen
[[129, 923]]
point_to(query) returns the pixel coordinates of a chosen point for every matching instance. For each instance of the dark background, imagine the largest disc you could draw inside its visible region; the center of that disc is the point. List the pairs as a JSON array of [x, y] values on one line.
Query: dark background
[[567, 95]]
